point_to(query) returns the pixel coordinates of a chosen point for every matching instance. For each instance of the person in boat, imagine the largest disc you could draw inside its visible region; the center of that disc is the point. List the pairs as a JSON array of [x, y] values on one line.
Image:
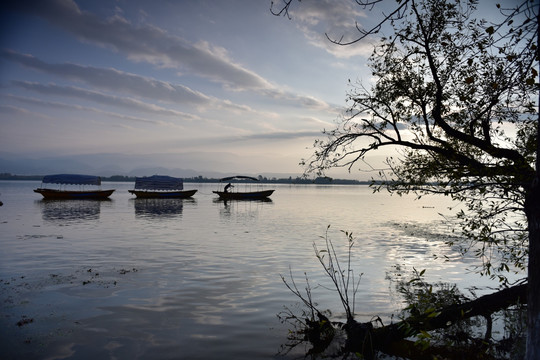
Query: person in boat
[[226, 189]]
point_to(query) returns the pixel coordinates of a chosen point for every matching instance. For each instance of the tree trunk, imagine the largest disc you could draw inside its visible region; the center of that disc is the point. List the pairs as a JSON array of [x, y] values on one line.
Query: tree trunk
[[483, 306], [386, 337], [532, 209]]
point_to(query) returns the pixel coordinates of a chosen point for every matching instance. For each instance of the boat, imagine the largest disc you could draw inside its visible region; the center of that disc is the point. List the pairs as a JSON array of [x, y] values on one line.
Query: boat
[[64, 180], [160, 187], [246, 191]]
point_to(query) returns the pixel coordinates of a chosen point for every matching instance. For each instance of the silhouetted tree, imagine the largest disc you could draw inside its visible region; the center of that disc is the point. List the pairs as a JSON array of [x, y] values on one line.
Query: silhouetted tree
[[458, 97]]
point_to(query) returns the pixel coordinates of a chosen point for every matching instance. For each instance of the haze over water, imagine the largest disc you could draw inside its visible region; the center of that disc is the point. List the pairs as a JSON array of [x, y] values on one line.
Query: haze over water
[[198, 278]]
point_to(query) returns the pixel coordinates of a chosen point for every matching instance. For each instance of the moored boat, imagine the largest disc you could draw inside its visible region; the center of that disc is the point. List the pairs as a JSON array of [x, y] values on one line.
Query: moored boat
[[247, 190], [160, 186], [65, 180]]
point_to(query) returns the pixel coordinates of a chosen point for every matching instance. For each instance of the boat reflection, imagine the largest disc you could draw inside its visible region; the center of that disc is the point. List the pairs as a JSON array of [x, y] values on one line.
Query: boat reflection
[[241, 208], [65, 211], [160, 208]]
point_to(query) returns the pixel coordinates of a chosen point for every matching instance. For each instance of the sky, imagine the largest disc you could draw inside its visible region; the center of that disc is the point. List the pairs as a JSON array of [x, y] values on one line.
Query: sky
[[209, 85]]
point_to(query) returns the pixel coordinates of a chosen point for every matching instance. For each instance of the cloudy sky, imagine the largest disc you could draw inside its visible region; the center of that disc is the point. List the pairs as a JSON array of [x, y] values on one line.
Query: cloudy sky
[[224, 83], [202, 84]]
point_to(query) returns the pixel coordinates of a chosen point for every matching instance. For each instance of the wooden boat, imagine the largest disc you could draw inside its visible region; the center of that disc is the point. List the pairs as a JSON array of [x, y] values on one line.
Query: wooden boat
[[245, 193], [160, 187], [64, 180]]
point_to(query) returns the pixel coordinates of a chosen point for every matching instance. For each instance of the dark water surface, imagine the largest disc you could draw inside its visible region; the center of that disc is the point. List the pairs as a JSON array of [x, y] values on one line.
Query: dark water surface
[[195, 278]]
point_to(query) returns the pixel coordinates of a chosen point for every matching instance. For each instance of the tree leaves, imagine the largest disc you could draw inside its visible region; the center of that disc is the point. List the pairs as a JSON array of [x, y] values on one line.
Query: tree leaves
[[447, 87]]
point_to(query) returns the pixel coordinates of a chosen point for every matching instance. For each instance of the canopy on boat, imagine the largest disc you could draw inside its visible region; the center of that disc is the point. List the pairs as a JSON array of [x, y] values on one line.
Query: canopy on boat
[[159, 182], [229, 178], [74, 179]]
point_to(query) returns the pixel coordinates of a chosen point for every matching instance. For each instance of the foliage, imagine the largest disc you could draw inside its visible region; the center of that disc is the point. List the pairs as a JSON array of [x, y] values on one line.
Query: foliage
[[311, 324], [457, 98], [424, 303], [344, 281], [424, 299]]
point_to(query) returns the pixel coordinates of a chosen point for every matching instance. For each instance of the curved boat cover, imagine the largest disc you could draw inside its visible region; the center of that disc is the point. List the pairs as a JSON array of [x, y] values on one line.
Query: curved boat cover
[[74, 179], [159, 182], [238, 177]]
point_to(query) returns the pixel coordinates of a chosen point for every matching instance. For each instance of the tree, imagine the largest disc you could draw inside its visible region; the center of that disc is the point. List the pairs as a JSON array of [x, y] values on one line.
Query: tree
[[458, 98]]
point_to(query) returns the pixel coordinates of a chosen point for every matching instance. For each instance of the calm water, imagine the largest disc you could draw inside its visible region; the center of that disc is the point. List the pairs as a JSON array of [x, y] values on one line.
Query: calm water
[[197, 278]]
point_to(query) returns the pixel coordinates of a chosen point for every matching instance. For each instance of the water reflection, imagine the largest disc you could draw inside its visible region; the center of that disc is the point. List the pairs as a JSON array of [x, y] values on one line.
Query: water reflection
[[160, 208], [241, 208], [70, 210], [209, 284]]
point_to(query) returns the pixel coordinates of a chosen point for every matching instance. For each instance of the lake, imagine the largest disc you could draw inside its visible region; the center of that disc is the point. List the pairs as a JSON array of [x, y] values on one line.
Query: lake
[[198, 278]]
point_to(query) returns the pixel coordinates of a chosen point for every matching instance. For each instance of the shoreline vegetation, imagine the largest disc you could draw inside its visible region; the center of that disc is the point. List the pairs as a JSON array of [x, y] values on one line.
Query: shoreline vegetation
[[202, 179]]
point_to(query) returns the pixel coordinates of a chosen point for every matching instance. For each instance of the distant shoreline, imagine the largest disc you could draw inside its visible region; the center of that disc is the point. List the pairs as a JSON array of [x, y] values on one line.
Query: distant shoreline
[[202, 179]]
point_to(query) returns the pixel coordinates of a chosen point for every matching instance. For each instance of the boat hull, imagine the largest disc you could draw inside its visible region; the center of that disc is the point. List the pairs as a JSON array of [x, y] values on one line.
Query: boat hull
[[74, 195], [163, 194], [253, 195]]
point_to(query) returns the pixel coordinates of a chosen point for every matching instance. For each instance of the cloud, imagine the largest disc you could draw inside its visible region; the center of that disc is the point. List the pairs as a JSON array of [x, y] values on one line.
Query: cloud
[[112, 79], [14, 110], [316, 121], [151, 44], [144, 43], [58, 105], [104, 99], [336, 19], [119, 81], [274, 136], [305, 101]]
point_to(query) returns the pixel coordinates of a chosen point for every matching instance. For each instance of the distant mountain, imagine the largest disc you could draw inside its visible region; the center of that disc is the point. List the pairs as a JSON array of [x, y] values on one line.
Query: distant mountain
[[181, 165]]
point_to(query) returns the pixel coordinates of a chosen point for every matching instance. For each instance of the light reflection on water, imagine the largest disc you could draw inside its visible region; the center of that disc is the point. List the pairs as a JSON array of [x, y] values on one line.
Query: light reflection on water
[[196, 278], [159, 209]]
